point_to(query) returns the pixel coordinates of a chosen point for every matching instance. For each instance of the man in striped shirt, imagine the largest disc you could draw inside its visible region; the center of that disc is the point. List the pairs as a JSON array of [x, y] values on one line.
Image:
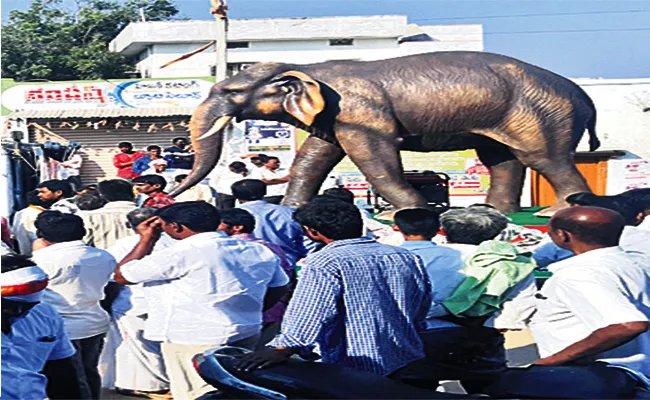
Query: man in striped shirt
[[359, 300]]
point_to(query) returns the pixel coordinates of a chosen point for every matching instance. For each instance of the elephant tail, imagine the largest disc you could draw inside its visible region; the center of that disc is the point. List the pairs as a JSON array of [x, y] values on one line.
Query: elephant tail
[[594, 142]]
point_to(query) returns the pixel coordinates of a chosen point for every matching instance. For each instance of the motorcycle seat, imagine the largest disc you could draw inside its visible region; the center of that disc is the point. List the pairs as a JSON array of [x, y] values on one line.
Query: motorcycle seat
[[300, 379]]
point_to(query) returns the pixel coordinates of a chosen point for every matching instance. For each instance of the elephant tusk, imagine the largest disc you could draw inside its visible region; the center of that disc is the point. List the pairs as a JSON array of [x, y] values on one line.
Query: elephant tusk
[[218, 126]]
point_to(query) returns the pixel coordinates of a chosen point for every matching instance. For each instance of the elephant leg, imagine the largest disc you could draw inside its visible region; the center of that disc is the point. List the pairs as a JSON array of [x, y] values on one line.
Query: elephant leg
[[507, 176], [560, 171], [378, 158], [314, 161]]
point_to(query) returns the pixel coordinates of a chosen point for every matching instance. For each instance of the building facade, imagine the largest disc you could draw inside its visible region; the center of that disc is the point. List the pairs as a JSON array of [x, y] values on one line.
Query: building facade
[[289, 40]]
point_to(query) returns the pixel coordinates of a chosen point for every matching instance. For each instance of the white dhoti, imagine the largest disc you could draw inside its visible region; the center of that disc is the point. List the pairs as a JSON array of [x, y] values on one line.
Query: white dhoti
[[138, 362]]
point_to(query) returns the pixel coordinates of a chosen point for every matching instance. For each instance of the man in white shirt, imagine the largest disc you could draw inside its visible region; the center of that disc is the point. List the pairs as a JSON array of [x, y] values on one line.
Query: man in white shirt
[[78, 274], [23, 223], [139, 367], [275, 178], [592, 319], [37, 356], [222, 181], [211, 288], [72, 170], [198, 192]]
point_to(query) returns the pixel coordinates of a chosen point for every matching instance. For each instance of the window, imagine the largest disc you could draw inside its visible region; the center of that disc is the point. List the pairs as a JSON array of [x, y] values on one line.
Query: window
[[341, 42], [237, 45]]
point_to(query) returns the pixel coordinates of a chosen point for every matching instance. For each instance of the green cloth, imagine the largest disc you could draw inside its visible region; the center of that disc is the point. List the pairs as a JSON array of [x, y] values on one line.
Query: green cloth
[[494, 269], [527, 217]]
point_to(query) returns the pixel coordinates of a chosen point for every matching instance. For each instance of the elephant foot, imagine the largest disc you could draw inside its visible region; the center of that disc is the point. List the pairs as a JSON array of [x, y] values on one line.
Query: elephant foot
[[506, 207]]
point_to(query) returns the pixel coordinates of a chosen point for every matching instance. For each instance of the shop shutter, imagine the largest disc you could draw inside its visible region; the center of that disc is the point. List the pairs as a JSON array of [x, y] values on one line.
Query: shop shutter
[[98, 146]]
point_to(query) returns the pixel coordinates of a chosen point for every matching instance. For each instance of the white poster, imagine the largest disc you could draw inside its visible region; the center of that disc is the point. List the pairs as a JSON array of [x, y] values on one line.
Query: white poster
[[624, 175]]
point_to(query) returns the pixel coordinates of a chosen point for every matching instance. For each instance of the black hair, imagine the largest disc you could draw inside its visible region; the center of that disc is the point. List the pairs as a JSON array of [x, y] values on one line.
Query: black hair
[[197, 216], [153, 147], [12, 262], [176, 139], [90, 201], [139, 215], [238, 216], [260, 157], [125, 144], [32, 198], [152, 180], [179, 178], [249, 189], [238, 166], [333, 219], [55, 185], [418, 221], [116, 190], [341, 194], [91, 187], [588, 199], [57, 227], [269, 158]]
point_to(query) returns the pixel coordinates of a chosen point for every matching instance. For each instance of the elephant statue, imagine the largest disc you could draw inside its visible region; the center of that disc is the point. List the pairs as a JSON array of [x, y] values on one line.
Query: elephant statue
[[515, 115]]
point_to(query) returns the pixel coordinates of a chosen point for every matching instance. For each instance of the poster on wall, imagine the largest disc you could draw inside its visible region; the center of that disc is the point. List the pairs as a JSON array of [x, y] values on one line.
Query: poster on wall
[[271, 138], [627, 174], [469, 178]]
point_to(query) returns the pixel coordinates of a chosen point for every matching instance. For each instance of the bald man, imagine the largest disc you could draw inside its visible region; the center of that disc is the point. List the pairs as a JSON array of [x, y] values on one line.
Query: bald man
[[592, 318]]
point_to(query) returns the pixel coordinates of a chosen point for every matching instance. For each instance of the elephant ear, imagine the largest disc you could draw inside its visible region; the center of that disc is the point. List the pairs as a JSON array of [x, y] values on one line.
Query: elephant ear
[[303, 99]]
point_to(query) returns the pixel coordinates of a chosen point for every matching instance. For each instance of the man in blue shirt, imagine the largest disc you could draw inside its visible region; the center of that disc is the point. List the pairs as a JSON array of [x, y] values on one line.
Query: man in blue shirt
[[178, 156], [273, 223], [142, 164], [443, 264], [361, 301]]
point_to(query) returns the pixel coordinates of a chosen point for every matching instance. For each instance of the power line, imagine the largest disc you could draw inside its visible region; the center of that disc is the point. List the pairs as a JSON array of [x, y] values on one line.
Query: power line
[[568, 31], [533, 15]]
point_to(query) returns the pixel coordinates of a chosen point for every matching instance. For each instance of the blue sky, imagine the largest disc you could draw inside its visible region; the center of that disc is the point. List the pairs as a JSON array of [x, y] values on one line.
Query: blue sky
[[589, 38]]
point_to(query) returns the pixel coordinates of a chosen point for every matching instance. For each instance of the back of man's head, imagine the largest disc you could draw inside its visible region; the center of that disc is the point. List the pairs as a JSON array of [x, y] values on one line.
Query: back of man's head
[[263, 158], [90, 201], [139, 215], [417, 222], [116, 190], [197, 216], [152, 180], [179, 178], [592, 226], [341, 194], [472, 225], [55, 185], [57, 227], [237, 166], [238, 217], [334, 219], [249, 190]]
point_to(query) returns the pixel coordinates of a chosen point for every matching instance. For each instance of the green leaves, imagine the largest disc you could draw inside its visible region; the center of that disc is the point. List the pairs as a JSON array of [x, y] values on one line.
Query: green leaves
[[51, 42]]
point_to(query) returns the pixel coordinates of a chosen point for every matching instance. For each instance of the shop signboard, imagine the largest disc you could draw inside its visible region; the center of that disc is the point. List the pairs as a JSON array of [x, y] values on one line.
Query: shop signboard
[[86, 95]]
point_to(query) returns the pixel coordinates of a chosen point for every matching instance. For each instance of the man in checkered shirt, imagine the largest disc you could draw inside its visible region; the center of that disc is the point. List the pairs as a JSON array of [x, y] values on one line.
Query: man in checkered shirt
[[360, 301]]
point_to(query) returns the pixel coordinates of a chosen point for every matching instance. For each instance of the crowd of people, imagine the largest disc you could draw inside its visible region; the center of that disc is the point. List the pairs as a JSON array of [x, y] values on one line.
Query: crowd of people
[[121, 271]]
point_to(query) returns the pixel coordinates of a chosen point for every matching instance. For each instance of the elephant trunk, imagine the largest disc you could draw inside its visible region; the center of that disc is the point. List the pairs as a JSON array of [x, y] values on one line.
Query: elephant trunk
[[207, 141]]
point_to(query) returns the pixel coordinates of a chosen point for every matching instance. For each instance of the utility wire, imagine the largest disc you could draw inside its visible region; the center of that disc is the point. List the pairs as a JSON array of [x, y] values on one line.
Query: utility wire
[[534, 15], [568, 31]]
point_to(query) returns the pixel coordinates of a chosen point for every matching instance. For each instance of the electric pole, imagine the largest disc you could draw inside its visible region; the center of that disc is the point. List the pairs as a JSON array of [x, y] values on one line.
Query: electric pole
[[219, 10]]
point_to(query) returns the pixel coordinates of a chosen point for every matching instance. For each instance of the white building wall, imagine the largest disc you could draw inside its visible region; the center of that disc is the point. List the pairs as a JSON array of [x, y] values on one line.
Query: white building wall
[[621, 123]]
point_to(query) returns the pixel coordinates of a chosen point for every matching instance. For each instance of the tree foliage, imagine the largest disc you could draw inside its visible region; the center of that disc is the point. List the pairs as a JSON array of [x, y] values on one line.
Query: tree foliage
[[48, 42]]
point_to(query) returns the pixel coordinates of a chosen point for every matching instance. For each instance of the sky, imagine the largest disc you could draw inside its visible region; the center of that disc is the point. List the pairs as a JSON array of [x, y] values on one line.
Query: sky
[[576, 38]]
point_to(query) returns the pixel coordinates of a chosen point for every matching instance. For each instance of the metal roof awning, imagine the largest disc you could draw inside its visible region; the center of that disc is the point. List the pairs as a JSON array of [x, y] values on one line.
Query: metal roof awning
[[103, 113]]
